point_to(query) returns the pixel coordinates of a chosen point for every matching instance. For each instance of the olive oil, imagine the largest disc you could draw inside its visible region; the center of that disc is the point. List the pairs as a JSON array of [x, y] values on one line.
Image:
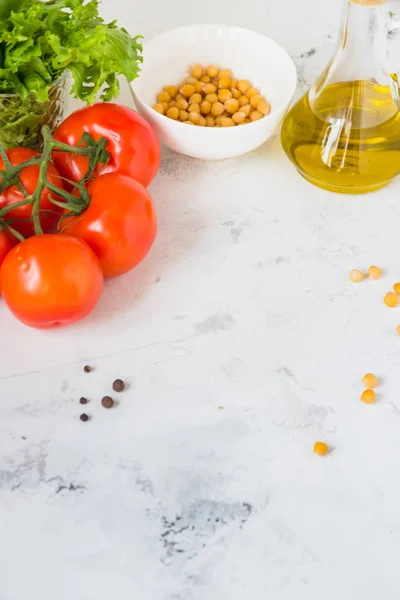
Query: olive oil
[[345, 137]]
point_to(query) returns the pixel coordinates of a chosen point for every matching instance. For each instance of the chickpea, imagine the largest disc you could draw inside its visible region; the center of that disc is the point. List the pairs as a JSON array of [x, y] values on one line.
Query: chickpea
[[197, 71], [391, 299], [370, 381], [255, 116], [244, 85], [209, 88], [195, 99], [182, 104], [224, 83], [235, 93], [218, 121], [210, 121], [191, 80], [243, 100], [194, 107], [212, 71], [202, 122], [171, 89], [183, 115], [187, 90], [165, 106], [263, 107], [238, 117], [373, 272], [232, 106], [321, 448], [187, 123], [163, 97], [211, 98], [251, 92], [224, 95], [357, 276], [172, 103], [179, 97], [368, 396], [396, 288], [173, 113], [159, 108], [198, 87], [234, 82], [205, 79], [194, 117], [217, 109], [254, 100], [225, 73], [205, 107], [227, 122], [247, 120]]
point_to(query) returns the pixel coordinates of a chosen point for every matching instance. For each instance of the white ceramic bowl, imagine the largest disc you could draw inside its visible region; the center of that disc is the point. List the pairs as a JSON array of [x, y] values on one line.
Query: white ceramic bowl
[[250, 55]]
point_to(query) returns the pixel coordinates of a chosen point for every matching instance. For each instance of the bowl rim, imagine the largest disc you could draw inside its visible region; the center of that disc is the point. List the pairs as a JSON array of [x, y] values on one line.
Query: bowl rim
[[294, 73]]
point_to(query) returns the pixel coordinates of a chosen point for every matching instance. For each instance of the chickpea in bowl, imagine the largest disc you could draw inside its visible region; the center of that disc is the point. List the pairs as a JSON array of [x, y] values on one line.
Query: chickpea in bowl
[[250, 57]]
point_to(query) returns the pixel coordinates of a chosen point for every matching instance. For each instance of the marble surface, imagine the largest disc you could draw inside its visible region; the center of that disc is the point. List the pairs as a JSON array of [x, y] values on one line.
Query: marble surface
[[242, 342]]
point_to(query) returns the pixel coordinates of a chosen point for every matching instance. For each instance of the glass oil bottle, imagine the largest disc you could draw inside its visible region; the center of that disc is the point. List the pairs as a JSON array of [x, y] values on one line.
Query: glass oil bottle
[[344, 133]]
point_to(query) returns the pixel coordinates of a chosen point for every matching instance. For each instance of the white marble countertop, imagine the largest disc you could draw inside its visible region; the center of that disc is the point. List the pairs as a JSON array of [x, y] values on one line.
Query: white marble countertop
[[245, 304]]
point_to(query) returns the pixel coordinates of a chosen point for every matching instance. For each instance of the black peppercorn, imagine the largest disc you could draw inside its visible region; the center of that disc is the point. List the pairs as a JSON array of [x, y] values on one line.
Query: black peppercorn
[[87, 368], [118, 385], [84, 417], [83, 400], [107, 402]]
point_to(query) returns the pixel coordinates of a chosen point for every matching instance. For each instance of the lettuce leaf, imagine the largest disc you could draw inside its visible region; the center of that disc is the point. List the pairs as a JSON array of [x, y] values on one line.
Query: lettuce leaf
[[39, 41]]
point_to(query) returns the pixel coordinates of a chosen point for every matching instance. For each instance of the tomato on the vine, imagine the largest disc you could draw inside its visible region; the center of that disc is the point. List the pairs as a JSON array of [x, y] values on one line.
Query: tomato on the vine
[[50, 280], [29, 176], [119, 225], [132, 143], [5, 246]]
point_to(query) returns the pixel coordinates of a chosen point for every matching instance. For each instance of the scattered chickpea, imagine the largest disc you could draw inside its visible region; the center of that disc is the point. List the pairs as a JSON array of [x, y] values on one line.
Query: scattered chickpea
[[391, 299], [356, 276], [212, 97], [374, 272], [396, 288], [321, 448], [370, 381], [368, 396], [398, 329]]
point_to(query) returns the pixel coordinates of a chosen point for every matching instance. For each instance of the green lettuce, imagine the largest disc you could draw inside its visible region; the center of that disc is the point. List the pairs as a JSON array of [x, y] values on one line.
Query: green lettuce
[[40, 40]]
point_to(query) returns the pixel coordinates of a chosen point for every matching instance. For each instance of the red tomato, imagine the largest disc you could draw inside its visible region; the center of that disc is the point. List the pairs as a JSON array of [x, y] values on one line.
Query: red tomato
[[119, 225], [51, 280], [29, 178], [133, 145], [5, 246]]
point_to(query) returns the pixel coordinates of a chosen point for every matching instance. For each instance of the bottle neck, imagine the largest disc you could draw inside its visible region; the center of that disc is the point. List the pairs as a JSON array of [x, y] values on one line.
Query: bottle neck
[[363, 42]]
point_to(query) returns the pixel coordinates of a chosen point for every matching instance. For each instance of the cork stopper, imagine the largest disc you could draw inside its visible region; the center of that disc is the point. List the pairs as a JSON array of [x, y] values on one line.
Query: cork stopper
[[369, 2]]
